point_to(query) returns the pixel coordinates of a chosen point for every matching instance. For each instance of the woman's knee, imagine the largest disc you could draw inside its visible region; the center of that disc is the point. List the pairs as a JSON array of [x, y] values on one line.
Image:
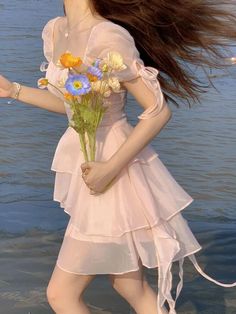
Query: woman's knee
[[64, 285], [129, 285], [52, 294]]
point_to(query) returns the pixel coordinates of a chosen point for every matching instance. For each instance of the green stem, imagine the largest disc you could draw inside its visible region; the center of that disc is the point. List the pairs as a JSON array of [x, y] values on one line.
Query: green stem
[[83, 146], [56, 88], [92, 146]]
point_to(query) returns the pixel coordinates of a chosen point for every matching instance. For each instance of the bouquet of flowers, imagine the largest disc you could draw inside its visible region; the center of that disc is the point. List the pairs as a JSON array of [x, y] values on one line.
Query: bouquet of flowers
[[86, 88]]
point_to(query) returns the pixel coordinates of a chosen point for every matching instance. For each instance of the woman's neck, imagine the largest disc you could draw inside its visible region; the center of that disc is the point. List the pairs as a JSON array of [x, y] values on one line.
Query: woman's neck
[[76, 11]]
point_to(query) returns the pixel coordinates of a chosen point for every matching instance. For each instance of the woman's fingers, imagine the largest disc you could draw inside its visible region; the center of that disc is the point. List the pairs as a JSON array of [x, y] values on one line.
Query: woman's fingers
[[86, 165], [99, 178], [86, 171]]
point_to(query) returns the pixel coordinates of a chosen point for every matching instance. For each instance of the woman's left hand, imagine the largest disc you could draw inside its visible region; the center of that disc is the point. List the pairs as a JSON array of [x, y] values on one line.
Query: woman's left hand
[[97, 175]]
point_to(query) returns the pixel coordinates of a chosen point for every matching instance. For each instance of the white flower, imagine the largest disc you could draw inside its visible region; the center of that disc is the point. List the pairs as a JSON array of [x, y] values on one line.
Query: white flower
[[115, 61], [114, 83], [102, 87], [96, 86], [107, 93]]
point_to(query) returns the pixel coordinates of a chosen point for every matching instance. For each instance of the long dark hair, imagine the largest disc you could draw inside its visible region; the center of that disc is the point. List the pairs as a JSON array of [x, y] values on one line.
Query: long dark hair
[[169, 34]]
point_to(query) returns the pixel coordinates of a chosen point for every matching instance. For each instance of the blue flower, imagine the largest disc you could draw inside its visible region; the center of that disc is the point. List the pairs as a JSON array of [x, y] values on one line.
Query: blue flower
[[78, 84], [95, 71], [96, 62]]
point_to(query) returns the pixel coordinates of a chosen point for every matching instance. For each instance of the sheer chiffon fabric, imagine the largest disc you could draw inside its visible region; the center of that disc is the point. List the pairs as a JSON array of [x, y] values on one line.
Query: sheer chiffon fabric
[[139, 216]]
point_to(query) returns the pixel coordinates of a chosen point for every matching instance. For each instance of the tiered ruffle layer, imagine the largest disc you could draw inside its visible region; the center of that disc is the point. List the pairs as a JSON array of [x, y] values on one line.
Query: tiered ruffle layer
[[139, 216]]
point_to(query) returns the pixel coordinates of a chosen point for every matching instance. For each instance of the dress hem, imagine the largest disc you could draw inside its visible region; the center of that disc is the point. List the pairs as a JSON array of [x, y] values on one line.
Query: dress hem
[[148, 226], [127, 271]]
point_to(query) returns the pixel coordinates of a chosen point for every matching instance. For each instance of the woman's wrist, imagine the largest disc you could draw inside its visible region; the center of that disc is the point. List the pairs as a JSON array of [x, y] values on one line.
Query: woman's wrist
[[15, 91], [113, 167]]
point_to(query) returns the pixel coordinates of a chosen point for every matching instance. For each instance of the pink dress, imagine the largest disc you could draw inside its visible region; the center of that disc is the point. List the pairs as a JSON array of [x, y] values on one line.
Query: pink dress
[[139, 216]]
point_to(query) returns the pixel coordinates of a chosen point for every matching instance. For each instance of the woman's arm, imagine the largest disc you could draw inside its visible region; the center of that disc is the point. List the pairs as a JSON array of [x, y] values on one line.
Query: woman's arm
[[34, 96], [145, 130], [98, 175], [40, 98]]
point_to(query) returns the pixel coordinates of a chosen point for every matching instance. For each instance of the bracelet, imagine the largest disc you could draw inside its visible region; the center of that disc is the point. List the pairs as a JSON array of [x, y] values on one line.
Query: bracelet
[[18, 88], [16, 95]]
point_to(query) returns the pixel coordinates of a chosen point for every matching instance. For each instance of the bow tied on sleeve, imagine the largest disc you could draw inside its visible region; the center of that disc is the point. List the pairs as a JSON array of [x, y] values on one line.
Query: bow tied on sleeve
[[149, 77]]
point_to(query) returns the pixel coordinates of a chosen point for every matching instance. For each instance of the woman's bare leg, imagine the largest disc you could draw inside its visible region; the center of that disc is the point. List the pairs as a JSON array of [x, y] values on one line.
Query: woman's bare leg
[[138, 293], [64, 292]]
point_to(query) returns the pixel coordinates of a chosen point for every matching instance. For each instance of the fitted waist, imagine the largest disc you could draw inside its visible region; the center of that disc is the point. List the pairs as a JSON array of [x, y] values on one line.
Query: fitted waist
[[110, 118]]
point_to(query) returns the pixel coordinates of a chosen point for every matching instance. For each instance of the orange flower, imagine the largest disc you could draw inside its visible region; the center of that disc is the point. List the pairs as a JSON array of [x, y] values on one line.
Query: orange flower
[[69, 97], [91, 77], [42, 83], [67, 60]]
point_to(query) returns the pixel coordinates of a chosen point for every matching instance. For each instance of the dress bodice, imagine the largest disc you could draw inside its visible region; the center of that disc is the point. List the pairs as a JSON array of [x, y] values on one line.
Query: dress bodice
[[100, 39], [115, 102]]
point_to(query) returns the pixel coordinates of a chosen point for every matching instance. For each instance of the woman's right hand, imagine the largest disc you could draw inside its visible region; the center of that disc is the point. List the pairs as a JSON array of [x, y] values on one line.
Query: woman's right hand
[[6, 87]]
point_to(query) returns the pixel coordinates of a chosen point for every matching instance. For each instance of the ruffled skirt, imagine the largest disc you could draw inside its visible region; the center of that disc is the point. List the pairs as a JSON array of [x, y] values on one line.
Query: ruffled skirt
[[139, 216]]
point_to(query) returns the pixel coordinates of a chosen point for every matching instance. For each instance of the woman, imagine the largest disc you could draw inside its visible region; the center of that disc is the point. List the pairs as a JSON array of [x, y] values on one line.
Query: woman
[[137, 221]]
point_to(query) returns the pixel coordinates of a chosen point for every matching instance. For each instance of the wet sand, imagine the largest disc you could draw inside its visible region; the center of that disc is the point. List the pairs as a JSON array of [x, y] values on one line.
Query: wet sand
[[27, 261]]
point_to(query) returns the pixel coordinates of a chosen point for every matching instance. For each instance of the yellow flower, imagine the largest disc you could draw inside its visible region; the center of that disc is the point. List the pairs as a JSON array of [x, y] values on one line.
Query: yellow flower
[[67, 60], [114, 83], [115, 61], [42, 83], [104, 67]]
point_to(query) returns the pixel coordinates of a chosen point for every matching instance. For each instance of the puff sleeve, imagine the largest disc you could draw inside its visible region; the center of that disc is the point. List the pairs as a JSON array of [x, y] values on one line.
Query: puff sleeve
[[47, 37], [113, 37]]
